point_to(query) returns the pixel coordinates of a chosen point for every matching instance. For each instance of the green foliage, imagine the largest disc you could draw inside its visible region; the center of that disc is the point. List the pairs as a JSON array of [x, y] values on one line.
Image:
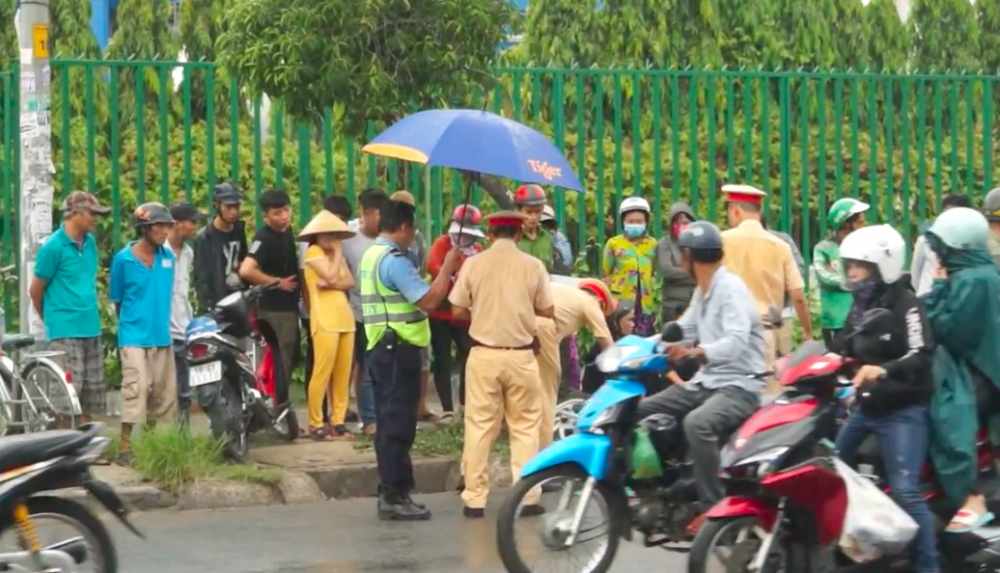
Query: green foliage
[[142, 33], [887, 36], [201, 24], [947, 35], [377, 58], [989, 38], [70, 29], [8, 34]]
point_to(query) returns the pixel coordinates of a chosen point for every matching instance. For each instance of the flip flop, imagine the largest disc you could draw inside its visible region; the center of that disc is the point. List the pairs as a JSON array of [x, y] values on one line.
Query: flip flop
[[968, 521]]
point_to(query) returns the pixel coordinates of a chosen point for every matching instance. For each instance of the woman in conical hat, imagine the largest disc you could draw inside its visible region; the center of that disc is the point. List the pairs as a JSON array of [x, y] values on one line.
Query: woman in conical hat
[[331, 323]]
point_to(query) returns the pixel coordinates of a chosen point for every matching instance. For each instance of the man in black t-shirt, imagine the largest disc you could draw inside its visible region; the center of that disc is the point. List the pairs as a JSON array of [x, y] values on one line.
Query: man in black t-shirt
[[219, 249], [274, 255]]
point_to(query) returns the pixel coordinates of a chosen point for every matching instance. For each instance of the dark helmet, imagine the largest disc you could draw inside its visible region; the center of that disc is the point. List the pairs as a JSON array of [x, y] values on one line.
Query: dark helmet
[[151, 214], [700, 236], [227, 193]]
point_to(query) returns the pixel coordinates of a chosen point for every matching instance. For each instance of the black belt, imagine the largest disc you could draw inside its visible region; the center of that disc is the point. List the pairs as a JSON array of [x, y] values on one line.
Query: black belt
[[531, 346]]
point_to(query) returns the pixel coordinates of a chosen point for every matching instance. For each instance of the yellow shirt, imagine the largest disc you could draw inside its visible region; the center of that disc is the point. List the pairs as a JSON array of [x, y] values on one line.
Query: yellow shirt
[[763, 261], [329, 309]]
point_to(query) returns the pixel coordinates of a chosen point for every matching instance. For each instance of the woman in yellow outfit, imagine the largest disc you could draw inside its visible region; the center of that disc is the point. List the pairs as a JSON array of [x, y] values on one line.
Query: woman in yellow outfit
[[331, 323]]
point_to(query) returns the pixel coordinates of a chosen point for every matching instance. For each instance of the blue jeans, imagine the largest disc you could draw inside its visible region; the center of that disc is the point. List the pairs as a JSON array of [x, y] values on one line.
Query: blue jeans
[[366, 392], [183, 381], [903, 440]]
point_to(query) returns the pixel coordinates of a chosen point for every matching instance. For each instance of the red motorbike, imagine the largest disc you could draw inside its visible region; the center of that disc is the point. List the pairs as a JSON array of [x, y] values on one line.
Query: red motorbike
[[786, 500]]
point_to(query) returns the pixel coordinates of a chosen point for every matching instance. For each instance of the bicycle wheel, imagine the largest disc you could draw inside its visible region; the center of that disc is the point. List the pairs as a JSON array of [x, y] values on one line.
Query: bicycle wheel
[[7, 413], [52, 395]]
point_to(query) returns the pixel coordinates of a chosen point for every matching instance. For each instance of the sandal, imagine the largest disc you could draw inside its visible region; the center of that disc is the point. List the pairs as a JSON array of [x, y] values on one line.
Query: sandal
[[320, 435], [428, 417], [965, 521], [341, 432]]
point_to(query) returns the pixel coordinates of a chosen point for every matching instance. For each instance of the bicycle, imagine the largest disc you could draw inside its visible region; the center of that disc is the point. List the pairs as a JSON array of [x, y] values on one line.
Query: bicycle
[[36, 391]]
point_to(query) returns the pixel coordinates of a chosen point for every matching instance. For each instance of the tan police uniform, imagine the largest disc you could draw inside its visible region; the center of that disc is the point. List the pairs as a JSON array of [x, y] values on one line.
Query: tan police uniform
[[574, 310], [762, 260], [503, 288]]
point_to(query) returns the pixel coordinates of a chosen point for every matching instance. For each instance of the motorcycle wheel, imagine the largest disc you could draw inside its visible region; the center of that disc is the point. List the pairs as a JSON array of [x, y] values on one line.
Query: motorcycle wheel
[[232, 405], [101, 547], [706, 543], [509, 517]]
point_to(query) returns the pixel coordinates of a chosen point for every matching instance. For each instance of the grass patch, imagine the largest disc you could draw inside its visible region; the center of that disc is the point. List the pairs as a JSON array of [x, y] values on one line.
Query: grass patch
[[445, 441], [171, 457]]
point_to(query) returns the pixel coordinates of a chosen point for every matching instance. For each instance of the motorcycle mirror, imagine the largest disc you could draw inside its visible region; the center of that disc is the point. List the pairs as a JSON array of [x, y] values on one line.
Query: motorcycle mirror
[[876, 320], [774, 318], [672, 332]]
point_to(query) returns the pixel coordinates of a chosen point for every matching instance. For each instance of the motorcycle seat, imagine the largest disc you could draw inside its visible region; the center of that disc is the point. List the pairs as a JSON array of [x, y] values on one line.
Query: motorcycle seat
[[14, 342], [26, 449]]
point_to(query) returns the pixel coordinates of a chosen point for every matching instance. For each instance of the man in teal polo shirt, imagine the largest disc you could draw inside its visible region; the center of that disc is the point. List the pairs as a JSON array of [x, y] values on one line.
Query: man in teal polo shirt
[[141, 286], [64, 293]]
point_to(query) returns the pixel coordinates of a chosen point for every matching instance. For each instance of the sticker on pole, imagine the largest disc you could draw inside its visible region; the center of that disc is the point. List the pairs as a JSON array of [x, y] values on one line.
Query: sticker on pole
[[40, 41]]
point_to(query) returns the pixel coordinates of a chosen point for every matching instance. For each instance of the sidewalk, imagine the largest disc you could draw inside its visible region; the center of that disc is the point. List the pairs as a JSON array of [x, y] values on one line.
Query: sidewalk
[[311, 472]]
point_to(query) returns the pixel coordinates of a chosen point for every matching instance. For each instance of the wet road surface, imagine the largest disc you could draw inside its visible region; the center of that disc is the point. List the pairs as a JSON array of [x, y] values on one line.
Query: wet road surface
[[335, 537]]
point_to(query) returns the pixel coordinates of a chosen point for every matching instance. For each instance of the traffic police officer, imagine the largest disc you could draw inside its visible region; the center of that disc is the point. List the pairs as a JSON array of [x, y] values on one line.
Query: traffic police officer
[[394, 304], [501, 290]]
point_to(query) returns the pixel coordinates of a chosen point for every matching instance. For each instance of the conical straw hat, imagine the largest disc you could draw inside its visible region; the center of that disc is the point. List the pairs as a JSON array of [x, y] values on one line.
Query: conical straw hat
[[326, 222]]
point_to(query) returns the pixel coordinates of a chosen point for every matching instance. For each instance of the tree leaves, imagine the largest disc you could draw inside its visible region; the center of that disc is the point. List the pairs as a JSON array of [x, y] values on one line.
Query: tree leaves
[[379, 58]]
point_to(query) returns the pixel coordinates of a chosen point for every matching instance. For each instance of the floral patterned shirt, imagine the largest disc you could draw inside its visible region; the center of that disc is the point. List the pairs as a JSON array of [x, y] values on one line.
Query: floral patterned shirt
[[627, 266]]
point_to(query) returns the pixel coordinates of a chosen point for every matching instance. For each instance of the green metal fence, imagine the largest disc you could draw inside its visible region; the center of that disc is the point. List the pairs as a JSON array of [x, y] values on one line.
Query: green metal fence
[[130, 131]]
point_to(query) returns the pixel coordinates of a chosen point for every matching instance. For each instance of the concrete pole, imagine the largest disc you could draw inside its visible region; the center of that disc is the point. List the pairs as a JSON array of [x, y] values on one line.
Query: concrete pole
[[36, 192]]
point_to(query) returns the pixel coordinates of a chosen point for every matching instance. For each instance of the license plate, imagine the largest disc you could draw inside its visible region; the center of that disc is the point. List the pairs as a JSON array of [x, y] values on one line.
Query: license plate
[[205, 374]]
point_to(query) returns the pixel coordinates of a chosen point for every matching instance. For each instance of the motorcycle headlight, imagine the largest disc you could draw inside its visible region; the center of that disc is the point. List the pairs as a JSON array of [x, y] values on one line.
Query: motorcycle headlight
[[610, 360], [757, 465], [607, 416]]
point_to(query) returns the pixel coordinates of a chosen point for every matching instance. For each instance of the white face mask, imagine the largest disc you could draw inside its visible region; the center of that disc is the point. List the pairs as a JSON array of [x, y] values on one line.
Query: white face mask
[[462, 240]]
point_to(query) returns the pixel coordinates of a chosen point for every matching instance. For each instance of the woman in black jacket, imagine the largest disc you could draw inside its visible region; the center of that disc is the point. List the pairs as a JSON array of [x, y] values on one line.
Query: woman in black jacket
[[894, 382]]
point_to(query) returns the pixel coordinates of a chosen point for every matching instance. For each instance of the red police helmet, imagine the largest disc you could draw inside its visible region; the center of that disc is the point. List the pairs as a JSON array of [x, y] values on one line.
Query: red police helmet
[[529, 195]]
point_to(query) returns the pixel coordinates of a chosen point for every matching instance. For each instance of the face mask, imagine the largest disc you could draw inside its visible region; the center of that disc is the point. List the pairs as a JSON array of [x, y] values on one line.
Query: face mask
[[635, 229], [678, 228], [462, 240]]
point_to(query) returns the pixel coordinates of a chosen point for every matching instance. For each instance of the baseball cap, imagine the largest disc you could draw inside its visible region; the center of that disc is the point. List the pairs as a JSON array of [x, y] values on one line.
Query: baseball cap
[[81, 200], [186, 212], [403, 196]]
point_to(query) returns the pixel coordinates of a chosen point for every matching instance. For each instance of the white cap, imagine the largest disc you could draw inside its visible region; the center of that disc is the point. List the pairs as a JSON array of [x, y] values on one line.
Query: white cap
[[472, 231], [548, 213], [738, 189]]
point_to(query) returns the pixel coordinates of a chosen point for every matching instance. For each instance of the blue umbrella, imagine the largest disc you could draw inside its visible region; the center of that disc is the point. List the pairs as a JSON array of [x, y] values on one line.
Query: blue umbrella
[[478, 141]]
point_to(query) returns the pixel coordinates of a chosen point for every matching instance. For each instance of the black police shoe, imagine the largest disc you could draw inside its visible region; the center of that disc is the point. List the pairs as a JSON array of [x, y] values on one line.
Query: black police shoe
[[473, 512], [393, 506]]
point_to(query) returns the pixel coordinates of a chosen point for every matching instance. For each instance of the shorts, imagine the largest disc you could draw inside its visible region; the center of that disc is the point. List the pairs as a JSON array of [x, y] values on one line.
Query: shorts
[[84, 361], [149, 384]]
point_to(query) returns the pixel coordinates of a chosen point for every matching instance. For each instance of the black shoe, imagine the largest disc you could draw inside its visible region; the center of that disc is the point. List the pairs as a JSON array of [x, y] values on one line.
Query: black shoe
[[401, 508], [409, 498], [231, 454], [473, 512], [532, 510]]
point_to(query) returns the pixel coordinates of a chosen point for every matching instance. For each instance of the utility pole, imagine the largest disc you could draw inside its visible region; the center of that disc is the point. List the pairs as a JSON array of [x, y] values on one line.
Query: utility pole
[[36, 192]]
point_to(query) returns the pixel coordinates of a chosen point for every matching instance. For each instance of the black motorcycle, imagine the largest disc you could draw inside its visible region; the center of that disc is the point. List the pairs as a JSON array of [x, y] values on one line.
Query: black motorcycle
[[46, 462], [218, 351]]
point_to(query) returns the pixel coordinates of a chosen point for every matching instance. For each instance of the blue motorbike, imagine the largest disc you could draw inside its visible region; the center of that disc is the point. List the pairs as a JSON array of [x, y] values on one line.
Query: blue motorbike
[[595, 463]]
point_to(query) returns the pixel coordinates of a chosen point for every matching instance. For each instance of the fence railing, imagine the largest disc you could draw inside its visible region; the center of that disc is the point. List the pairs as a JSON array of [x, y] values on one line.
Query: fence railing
[[132, 131]]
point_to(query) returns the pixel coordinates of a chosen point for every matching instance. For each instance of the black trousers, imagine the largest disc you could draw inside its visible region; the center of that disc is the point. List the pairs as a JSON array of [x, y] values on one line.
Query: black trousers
[[395, 373], [444, 333], [829, 334]]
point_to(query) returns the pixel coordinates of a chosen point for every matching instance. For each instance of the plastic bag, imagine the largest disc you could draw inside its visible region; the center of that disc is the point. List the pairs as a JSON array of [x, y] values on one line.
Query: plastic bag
[[874, 526], [645, 459]]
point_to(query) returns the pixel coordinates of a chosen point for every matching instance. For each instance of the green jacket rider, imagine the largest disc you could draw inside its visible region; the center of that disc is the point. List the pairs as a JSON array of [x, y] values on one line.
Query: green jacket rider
[[844, 216]]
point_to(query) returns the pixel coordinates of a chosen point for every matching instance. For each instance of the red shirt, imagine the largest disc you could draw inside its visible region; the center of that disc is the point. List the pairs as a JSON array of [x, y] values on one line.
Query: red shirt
[[435, 258]]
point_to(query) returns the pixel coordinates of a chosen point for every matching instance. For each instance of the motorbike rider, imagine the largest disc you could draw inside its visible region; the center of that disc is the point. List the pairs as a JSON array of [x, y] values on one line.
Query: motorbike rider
[[724, 320], [219, 249], [991, 209], [962, 308], [894, 382]]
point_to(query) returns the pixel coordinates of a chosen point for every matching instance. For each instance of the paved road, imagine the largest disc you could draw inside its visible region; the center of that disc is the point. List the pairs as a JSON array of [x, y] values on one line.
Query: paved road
[[334, 537]]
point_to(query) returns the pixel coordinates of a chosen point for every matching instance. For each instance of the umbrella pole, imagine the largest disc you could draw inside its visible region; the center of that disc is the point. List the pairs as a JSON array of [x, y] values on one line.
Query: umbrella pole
[[468, 197], [428, 218]]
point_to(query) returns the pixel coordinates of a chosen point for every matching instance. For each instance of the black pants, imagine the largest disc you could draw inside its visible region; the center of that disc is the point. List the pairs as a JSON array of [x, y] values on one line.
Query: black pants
[[309, 368], [444, 333], [395, 374]]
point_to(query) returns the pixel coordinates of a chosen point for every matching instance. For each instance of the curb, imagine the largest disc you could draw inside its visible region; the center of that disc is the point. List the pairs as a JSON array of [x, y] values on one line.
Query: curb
[[435, 475]]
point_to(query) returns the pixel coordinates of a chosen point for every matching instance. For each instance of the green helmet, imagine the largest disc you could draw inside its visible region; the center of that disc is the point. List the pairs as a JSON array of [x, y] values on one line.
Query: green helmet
[[844, 209], [961, 228]]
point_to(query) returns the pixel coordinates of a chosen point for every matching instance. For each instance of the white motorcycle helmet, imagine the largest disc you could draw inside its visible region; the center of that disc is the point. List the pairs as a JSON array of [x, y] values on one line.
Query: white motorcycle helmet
[[634, 204], [880, 246]]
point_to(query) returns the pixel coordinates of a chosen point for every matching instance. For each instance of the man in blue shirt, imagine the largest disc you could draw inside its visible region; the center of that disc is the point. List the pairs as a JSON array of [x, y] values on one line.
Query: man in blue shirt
[[64, 293], [142, 283], [395, 300]]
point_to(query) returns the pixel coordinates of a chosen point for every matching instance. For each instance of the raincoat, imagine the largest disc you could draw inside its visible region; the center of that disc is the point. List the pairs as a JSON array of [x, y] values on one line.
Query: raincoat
[[835, 300], [961, 311]]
